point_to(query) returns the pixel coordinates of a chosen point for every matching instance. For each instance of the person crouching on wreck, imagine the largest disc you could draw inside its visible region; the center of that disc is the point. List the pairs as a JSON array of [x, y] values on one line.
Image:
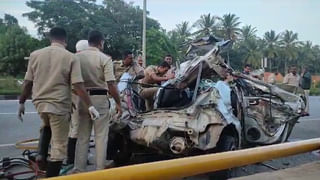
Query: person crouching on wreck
[[153, 76]]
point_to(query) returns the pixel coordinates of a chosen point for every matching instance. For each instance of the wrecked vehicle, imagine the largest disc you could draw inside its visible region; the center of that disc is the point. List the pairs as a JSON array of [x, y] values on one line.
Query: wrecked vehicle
[[198, 112]]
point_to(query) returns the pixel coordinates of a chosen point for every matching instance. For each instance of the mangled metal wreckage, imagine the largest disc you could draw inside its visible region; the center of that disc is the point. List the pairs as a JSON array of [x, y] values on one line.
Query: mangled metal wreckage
[[198, 112]]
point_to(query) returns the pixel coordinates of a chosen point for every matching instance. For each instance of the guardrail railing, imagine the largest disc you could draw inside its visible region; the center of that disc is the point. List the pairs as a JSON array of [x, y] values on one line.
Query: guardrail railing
[[191, 166]]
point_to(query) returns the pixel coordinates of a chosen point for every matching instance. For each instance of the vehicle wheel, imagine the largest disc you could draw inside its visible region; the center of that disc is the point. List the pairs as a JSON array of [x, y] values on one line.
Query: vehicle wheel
[[226, 143], [123, 154], [118, 149]]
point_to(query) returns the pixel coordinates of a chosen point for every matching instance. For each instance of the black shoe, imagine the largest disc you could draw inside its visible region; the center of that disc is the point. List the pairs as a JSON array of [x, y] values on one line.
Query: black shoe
[[43, 146], [71, 150], [53, 169]]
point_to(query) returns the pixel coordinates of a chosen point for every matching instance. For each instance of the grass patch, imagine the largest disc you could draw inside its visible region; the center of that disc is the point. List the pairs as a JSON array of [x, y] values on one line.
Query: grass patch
[[315, 91], [9, 86]]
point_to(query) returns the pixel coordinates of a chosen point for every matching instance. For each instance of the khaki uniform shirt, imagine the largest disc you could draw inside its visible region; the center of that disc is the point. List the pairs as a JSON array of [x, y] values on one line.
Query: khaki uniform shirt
[[133, 70], [291, 79], [53, 69], [147, 75], [97, 70]]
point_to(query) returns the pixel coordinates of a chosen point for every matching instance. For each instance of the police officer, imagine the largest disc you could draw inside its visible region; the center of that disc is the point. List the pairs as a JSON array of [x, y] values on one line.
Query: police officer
[[127, 65], [50, 74], [292, 78], [97, 72], [74, 124], [153, 76], [169, 60]]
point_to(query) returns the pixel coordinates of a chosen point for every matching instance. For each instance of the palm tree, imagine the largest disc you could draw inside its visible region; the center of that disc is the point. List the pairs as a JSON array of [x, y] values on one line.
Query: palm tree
[[251, 49], [271, 40], [247, 32], [183, 29], [306, 54], [179, 36], [230, 28], [289, 43], [207, 25]]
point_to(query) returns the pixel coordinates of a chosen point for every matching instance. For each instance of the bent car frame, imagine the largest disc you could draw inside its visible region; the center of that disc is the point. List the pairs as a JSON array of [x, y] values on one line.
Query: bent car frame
[[199, 112]]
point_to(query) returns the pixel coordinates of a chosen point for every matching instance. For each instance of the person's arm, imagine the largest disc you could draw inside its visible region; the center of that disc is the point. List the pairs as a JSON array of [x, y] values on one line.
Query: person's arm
[[112, 87], [159, 79], [26, 87], [26, 92], [113, 90], [80, 90]]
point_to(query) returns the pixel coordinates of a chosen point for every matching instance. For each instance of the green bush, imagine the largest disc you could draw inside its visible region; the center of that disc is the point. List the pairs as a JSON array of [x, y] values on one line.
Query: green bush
[[314, 91], [9, 86]]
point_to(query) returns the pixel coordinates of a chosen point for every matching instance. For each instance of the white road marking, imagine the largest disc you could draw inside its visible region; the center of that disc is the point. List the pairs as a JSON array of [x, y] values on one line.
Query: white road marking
[[17, 113], [6, 145], [13, 100]]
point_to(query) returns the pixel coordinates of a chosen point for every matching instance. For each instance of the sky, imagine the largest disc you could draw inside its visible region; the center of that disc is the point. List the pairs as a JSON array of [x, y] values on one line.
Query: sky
[[301, 16]]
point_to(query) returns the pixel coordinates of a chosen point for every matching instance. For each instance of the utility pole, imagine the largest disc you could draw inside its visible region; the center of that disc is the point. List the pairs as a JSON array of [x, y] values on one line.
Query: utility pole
[[144, 33]]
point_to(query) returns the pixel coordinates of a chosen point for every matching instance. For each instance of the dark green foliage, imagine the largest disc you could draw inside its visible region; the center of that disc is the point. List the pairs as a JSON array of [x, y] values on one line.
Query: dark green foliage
[[15, 44], [120, 22]]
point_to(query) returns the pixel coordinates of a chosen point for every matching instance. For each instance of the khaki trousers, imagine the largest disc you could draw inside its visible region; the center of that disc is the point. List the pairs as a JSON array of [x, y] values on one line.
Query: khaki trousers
[[59, 125], [101, 130], [148, 95], [74, 124], [307, 93]]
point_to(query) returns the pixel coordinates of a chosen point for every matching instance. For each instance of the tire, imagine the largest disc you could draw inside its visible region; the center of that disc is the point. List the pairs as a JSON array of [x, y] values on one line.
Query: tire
[[118, 149], [226, 143]]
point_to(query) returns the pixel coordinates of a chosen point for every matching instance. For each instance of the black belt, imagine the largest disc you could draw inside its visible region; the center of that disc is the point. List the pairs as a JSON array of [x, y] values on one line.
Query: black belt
[[97, 92]]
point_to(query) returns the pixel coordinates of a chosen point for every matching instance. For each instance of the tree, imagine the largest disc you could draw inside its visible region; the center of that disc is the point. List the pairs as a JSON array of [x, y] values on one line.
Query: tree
[[289, 43], [247, 32], [119, 21], [184, 30], [15, 44], [207, 25], [158, 45], [271, 46], [179, 37], [230, 28]]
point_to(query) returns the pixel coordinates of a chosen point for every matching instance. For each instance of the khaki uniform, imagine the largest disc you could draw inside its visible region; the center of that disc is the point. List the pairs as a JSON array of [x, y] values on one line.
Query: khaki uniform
[[291, 79], [146, 92], [133, 70], [97, 70], [52, 70]]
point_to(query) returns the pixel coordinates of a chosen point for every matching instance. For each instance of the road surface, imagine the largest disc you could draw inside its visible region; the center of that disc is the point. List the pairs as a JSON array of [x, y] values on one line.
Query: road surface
[[12, 130]]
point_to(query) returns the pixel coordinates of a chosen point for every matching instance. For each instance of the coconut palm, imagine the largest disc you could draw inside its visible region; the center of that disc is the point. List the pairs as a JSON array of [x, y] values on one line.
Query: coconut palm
[[271, 40], [247, 32], [252, 52], [230, 28], [289, 43], [306, 55], [207, 25], [183, 29]]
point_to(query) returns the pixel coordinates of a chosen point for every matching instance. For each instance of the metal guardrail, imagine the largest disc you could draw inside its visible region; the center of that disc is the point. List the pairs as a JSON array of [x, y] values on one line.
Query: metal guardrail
[[190, 166]]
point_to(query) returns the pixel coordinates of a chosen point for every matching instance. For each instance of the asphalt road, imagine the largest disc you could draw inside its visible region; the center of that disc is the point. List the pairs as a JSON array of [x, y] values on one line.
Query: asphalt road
[[13, 130]]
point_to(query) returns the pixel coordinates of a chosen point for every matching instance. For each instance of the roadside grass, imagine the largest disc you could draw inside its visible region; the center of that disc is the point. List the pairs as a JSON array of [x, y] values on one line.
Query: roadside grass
[[9, 86], [315, 91]]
